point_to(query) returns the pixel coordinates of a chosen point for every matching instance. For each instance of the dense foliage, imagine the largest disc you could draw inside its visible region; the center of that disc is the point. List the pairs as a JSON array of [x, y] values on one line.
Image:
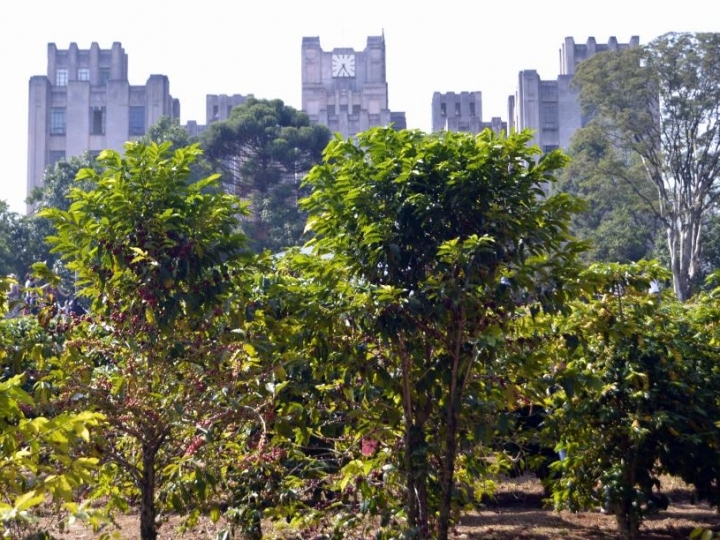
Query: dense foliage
[[620, 219], [263, 150], [452, 237], [153, 252], [374, 380], [638, 365], [661, 102]]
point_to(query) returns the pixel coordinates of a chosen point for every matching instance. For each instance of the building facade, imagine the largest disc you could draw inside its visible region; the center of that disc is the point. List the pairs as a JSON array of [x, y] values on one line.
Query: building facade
[[217, 109], [347, 90], [550, 107], [86, 103], [462, 112]]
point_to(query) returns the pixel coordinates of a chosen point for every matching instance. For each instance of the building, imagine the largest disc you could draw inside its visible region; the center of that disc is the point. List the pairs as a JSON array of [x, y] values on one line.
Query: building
[[551, 107], [462, 112], [217, 109], [86, 103], [347, 90]]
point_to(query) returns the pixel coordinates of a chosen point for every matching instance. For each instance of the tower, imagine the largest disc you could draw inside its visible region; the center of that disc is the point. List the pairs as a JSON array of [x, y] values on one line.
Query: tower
[[462, 111], [86, 103], [551, 107], [346, 90]]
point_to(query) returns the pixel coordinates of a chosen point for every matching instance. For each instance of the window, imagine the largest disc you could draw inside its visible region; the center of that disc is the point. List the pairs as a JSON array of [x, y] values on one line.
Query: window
[[97, 120], [104, 75], [331, 110], [356, 109], [229, 110], [137, 121], [472, 108], [549, 115], [216, 115], [61, 77], [548, 91], [457, 109], [83, 74], [57, 121], [443, 109], [55, 155]]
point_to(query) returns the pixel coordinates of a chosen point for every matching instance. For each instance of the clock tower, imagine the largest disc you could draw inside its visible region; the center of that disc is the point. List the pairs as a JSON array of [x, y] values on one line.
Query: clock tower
[[344, 89]]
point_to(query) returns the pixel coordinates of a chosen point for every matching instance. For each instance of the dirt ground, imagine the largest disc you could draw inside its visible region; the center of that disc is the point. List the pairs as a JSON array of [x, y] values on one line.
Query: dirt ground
[[517, 513]]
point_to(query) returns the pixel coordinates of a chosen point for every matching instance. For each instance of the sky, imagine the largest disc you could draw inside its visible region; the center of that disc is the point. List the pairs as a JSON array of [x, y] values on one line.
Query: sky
[[243, 47]]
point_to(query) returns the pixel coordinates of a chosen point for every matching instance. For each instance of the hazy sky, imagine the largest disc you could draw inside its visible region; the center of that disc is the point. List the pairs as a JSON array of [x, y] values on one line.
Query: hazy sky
[[242, 47]]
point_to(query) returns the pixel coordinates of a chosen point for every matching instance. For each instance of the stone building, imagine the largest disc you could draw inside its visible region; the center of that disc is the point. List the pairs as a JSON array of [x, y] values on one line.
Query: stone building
[[462, 112], [347, 90], [551, 107], [86, 103], [217, 109]]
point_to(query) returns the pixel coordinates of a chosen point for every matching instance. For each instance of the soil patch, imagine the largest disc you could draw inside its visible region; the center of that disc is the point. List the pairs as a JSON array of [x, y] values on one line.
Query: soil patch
[[517, 512]]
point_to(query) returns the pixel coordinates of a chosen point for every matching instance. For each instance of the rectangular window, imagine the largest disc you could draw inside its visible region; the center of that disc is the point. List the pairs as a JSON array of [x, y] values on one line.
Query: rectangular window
[[549, 115], [229, 110], [216, 115], [97, 120], [83, 74], [548, 91], [356, 109], [472, 109], [443, 109], [331, 110], [104, 75], [57, 121], [137, 121], [55, 155], [61, 77], [457, 109]]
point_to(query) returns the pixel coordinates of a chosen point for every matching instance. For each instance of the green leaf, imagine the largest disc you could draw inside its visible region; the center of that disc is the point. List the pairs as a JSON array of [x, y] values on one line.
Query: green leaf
[[215, 514], [28, 500]]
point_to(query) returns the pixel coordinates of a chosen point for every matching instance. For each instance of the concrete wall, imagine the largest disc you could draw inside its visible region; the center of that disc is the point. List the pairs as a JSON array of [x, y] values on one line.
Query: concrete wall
[[107, 94], [350, 104], [550, 107], [219, 106], [457, 111]]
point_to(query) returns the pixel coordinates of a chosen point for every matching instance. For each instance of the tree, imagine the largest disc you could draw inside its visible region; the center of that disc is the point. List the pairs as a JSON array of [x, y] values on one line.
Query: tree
[[29, 232], [621, 218], [263, 149], [167, 129], [637, 396], [154, 252], [22, 243], [9, 222], [44, 452], [451, 235], [662, 102], [59, 180]]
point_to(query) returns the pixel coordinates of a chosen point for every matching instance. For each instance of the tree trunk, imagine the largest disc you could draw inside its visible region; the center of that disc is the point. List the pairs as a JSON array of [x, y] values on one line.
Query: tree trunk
[[626, 516], [148, 525], [628, 522], [681, 284], [410, 491], [416, 480], [447, 472]]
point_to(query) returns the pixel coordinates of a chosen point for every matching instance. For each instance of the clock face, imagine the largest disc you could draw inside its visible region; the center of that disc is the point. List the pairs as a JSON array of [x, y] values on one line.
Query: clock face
[[343, 65]]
